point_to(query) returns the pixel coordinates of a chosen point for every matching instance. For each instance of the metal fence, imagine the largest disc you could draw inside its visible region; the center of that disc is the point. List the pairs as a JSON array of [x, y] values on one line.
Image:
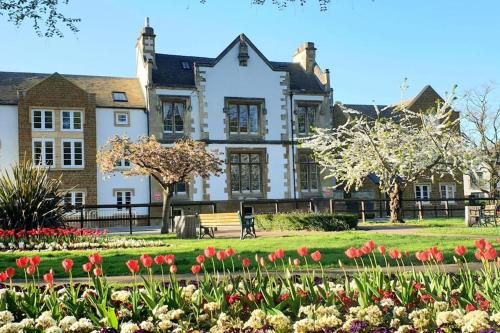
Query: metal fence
[[128, 218]]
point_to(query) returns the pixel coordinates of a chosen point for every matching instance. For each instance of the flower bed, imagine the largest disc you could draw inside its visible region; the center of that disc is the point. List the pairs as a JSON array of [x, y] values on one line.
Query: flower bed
[[279, 294], [54, 239]]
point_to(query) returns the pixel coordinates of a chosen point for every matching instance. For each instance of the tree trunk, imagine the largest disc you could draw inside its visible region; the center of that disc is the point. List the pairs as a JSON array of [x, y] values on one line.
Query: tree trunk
[[165, 214], [395, 204]]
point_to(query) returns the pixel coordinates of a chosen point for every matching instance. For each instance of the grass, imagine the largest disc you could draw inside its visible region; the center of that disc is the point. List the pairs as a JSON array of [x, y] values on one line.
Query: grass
[[332, 246]]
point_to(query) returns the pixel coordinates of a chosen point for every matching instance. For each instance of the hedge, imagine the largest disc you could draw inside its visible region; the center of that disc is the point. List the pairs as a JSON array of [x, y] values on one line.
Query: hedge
[[306, 221]]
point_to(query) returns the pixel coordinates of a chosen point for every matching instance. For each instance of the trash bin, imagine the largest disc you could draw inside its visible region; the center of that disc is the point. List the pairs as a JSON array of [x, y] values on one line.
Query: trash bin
[[186, 226]]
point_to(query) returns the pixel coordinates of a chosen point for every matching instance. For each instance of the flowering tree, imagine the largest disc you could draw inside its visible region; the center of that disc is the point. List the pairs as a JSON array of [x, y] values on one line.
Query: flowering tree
[[398, 149], [482, 132], [181, 162]]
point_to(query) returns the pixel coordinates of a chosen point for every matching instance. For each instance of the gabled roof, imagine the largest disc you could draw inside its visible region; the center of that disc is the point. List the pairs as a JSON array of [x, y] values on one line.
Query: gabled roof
[[101, 86], [170, 72]]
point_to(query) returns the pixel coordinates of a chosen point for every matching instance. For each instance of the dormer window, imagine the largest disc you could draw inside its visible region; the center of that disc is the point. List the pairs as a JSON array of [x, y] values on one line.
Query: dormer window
[[185, 65], [119, 96]]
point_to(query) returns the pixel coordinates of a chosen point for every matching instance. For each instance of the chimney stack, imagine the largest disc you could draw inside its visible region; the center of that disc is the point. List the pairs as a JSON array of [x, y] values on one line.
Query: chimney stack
[[146, 43], [306, 56]]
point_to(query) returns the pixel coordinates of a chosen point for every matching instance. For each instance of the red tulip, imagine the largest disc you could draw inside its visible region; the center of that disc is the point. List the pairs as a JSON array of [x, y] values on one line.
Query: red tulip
[[31, 269], [146, 260], [95, 259], [98, 271], [10, 271], [422, 256], [433, 250], [87, 267], [460, 250], [480, 244], [316, 256], [159, 260], [245, 262], [48, 278], [381, 249], [200, 259], [173, 269], [271, 257], [169, 259], [195, 269], [22, 262], [479, 255], [3, 276], [365, 249], [133, 266], [229, 252], [490, 254], [67, 264], [439, 256], [221, 255], [280, 253], [296, 261], [395, 254], [470, 308], [210, 252], [350, 253], [370, 245], [35, 261], [302, 251]]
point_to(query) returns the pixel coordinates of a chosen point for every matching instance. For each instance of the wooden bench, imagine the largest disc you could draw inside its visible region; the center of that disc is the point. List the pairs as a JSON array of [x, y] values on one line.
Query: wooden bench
[[210, 222]]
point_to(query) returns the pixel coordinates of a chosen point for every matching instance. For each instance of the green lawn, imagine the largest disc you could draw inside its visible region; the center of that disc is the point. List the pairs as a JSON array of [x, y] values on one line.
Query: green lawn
[[332, 245]]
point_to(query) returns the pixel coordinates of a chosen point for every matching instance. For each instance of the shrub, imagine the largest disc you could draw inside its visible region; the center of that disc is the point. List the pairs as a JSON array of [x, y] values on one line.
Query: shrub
[[307, 221], [29, 198]]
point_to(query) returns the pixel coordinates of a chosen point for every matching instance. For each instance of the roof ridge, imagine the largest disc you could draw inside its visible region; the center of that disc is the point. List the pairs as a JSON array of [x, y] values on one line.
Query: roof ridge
[[73, 75]]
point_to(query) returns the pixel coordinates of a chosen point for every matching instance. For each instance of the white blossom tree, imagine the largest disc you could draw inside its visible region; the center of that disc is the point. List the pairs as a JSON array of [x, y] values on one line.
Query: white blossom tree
[[181, 162], [398, 149]]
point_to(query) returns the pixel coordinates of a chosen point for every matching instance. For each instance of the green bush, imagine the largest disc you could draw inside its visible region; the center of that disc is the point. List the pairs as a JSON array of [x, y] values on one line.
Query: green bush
[[307, 221], [30, 198]]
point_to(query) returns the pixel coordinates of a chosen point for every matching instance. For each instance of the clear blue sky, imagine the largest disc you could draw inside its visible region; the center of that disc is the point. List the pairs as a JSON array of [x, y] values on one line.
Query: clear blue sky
[[369, 46]]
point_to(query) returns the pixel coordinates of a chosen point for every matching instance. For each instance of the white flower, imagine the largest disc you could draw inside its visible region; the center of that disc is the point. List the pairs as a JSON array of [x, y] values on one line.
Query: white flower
[[475, 321], [147, 326], [121, 296], [387, 302], [66, 322], [11, 328], [45, 320], [129, 327], [54, 329], [6, 317], [83, 325], [496, 318], [420, 318]]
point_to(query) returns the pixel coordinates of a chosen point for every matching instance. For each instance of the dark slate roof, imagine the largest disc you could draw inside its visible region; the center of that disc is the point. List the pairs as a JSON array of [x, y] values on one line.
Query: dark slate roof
[[169, 72], [101, 86]]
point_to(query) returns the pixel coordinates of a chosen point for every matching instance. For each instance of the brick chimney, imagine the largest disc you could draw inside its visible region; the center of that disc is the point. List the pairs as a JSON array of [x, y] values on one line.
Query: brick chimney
[[306, 56], [146, 43]]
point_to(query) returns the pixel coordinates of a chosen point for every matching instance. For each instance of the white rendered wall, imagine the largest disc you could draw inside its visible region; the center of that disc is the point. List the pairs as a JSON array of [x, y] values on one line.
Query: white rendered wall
[[106, 185], [9, 138], [256, 80]]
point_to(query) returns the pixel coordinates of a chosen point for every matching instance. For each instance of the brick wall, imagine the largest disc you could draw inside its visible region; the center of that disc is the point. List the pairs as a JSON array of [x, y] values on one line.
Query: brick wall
[[57, 93]]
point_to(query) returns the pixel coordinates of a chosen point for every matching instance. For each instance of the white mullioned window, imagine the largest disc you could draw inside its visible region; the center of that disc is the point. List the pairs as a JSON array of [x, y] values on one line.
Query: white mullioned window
[[42, 120], [423, 192], [72, 153], [306, 118], [122, 164], [447, 191], [71, 120], [122, 118], [123, 197], [74, 198], [173, 116], [43, 152]]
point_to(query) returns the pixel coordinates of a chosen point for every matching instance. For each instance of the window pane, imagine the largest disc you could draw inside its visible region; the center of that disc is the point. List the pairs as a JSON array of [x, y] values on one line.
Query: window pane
[[37, 152], [255, 158], [66, 120], [78, 153], [168, 113], [68, 199], [37, 119], [235, 158], [255, 177], [243, 118], [66, 153], [78, 198], [233, 119], [245, 177], [128, 197], [313, 170], [179, 117], [49, 153], [304, 184], [418, 194], [301, 120], [310, 117], [48, 119], [77, 120], [181, 187], [235, 178], [253, 119], [245, 158], [119, 198]]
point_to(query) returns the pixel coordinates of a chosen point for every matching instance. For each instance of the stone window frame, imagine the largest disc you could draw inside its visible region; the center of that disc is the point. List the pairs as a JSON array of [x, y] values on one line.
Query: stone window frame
[[297, 171], [307, 103], [261, 114], [72, 165], [264, 185], [429, 191], [72, 123], [115, 118], [43, 129], [186, 116], [43, 158]]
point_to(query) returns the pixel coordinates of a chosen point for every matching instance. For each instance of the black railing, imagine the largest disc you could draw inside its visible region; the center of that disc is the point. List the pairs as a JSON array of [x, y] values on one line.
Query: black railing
[[127, 218]]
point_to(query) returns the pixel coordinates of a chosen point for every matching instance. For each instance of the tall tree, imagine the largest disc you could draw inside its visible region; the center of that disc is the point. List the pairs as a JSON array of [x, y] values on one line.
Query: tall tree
[[398, 149], [45, 14], [181, 162], [481, 119], [281, 4]]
